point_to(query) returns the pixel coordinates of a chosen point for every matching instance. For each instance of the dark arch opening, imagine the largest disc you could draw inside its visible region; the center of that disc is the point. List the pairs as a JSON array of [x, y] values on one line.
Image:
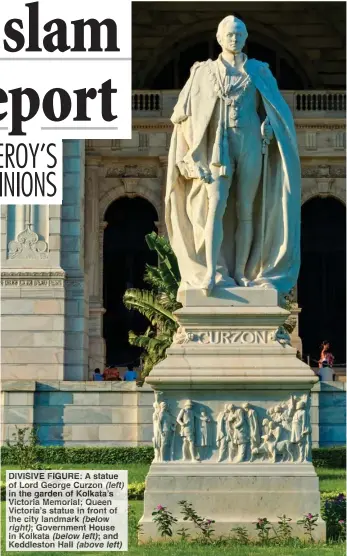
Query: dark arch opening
[[175, 72], [125, 256], [322, 279]]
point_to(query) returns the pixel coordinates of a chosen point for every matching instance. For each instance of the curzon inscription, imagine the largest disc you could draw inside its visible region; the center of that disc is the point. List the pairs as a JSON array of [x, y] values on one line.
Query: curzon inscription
[[230, 337]]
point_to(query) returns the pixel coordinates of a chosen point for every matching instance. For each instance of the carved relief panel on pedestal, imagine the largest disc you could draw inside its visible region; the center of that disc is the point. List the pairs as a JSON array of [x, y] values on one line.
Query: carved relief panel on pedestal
[[242, 433]]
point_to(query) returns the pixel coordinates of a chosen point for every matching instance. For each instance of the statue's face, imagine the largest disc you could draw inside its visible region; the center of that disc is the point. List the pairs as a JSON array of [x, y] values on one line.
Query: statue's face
[[233, 37]]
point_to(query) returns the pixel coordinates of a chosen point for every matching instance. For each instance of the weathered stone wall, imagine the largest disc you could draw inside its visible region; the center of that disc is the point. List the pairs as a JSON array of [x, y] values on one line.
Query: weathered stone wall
[[331, 413], [80, 413], [43, 309], [113, 413]]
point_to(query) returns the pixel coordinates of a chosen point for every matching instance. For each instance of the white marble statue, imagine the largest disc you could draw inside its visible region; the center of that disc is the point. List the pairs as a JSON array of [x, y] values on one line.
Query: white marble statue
[[233, 182]]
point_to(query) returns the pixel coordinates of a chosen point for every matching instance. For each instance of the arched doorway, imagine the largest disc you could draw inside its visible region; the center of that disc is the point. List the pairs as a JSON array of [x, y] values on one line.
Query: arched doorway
[[175, 72], [322, 279], [125, 256]]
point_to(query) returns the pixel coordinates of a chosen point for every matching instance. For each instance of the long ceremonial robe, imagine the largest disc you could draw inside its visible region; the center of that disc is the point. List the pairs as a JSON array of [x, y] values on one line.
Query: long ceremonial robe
[[186, 199]]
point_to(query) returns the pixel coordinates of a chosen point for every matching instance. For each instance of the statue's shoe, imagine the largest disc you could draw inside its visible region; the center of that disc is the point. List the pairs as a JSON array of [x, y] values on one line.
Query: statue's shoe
[[207, 285], [242, 280]]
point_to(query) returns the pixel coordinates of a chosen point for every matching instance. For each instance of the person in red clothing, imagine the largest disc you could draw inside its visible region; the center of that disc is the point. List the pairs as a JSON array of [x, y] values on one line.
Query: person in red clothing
[[111, 373], [326, 357]]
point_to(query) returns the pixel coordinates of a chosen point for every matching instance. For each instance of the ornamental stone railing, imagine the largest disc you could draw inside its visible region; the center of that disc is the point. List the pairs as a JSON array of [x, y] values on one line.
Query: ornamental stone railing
[[304, 104]]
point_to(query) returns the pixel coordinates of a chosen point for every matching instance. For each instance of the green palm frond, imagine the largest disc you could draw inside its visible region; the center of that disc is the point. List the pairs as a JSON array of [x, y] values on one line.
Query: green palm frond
[[168, 302], [157, 305], [148, 305], [167, 259]]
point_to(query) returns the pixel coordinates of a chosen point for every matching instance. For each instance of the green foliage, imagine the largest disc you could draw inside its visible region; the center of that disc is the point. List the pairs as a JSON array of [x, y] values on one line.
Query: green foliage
[[203, 524], [240, 535], [109, 455], [263, 527], [22, 449], [164, 520], [136, 491], [322, 457], [333, 457], [334, 514], [309, 522], [157, 305], [284, 530]]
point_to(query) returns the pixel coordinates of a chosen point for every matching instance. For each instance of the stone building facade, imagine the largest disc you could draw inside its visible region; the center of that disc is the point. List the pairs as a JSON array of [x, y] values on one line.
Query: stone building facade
[[54, 306]]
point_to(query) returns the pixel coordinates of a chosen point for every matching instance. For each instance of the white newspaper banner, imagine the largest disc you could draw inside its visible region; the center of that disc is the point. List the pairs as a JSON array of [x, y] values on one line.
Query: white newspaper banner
[[61, 511], [65, 74]]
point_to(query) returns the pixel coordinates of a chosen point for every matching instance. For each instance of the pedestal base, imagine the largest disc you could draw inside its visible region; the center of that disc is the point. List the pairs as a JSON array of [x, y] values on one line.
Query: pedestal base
[[231, 419], [232, 495]]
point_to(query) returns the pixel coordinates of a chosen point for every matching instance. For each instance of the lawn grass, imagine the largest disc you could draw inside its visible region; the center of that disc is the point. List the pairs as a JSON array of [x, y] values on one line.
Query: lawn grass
[[329, 479]]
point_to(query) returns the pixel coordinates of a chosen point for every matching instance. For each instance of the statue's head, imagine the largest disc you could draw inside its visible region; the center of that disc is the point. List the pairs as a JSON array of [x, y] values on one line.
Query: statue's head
[[300, 405], [232, 34], [246, 406], [163, 406], [188, 404]]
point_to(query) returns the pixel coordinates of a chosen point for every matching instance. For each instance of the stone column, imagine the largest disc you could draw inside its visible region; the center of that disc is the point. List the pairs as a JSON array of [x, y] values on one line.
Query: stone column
[[72, 260], [33, 295], [97, 346], [163, 176], [96, 350]]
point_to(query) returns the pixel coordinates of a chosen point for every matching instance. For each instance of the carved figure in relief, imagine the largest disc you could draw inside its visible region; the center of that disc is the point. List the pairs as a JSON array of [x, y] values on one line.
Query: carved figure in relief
[[232, 447], [301, 431], [265, 425], [279, 446], [253, 424], [166, 427], [187, 420], [223, 434], [180, 336], [156, 432], [204, 436], [241, 437]]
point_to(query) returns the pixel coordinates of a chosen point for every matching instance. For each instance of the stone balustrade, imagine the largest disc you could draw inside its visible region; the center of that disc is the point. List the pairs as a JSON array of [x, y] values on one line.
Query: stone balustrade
[[304, 104]]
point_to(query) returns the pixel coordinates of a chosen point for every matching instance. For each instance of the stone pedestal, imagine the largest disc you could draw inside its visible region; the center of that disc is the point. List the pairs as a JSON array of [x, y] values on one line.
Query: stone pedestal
[[232, 431]]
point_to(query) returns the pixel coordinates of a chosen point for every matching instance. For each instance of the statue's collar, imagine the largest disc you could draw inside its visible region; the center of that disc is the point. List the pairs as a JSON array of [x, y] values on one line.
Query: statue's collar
[[222, 66]]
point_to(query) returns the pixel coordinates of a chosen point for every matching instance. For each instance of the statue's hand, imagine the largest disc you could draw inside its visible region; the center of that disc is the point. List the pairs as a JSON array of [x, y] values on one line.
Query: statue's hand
[[266, 131], [204, 174]]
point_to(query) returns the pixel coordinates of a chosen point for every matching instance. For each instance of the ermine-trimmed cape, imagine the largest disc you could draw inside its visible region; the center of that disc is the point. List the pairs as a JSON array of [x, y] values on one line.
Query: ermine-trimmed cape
[[186, 201]]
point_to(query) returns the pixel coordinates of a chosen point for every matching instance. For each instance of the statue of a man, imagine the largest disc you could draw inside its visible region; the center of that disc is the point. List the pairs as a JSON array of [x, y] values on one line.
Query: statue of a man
[[225, 227]]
